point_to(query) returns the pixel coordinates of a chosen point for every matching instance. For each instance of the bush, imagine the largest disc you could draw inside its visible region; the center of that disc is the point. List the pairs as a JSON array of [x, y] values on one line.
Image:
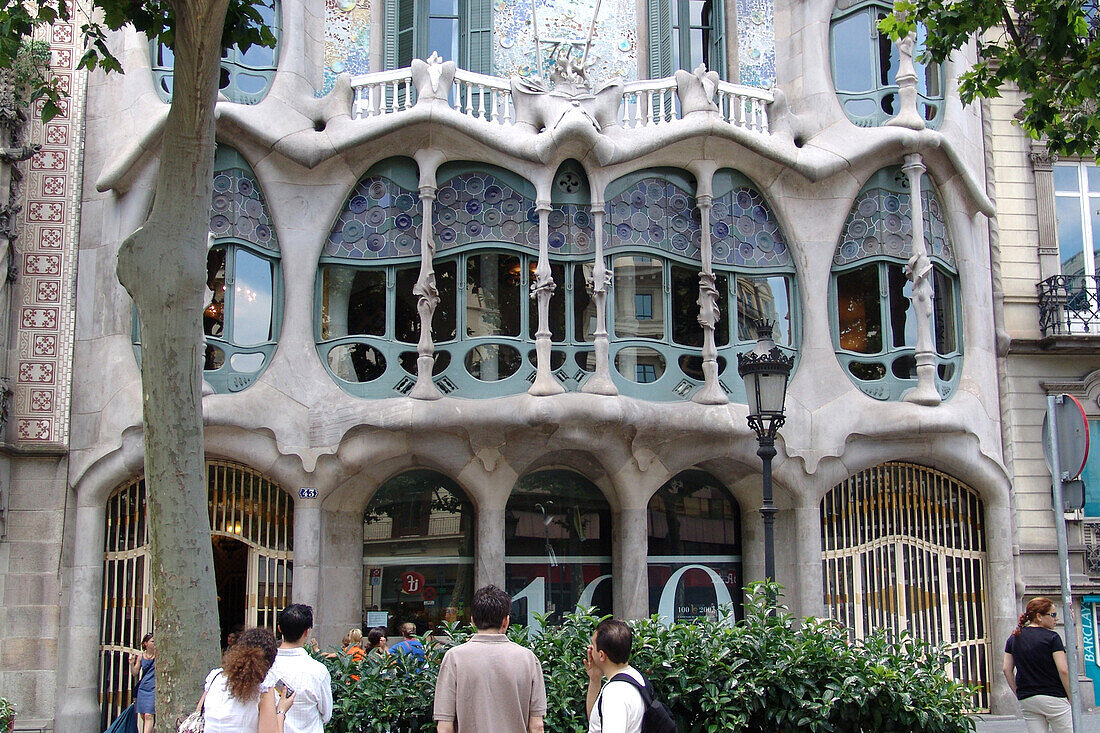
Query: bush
[[759, 674]]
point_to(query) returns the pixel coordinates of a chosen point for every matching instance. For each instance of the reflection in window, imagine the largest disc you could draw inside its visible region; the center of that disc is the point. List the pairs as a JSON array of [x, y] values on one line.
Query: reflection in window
[[694, 548], [865, 66], [639, 280], [764, 298], [1077, 210], [557, 546], [239, 303], [684, 34], [492, 295], [418, 548]]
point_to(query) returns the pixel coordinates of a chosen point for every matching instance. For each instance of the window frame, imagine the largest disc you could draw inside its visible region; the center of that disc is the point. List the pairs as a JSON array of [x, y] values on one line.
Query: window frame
[[1081, 195], [413, 18], [669, 17]]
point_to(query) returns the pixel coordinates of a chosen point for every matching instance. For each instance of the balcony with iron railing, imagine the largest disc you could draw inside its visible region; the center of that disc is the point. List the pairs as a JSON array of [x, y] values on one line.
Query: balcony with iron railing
[[642, 104], [1069, 305], [1091, 528]]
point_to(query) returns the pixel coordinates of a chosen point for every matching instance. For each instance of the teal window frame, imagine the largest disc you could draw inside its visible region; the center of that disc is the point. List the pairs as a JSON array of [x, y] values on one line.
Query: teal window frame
[[882, 60], [407, 33], [670, 30], [876, 371], [237, 68]]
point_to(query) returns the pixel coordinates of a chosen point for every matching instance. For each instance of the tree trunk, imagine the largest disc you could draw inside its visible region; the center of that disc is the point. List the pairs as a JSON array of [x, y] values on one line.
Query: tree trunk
[[163, 267]]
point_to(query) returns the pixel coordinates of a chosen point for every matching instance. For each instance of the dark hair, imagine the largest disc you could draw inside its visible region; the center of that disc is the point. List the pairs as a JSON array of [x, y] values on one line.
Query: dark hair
[[248, 661], [375, 637], [145, 639], [294, 621], [613, 638], [1036, 607], [490, 607]]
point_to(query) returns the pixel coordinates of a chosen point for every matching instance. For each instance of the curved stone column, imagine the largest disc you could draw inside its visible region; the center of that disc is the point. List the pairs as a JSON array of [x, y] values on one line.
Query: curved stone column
[[338, 596], [307, 553], [77, 691], [489, 552], [631, 577]]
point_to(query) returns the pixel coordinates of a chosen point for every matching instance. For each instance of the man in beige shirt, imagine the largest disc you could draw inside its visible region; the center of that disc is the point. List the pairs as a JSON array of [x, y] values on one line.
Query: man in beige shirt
[[490, 684]]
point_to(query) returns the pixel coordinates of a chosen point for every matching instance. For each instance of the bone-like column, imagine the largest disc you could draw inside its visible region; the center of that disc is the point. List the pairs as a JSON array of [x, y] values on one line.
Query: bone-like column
[[709, 312], [427, 300], [542, 290], [906, 79], [919, 271], [600, 381]]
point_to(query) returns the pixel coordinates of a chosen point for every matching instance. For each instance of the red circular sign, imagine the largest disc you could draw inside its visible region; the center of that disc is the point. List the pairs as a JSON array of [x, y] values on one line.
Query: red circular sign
[[428, 594], [412, 583]]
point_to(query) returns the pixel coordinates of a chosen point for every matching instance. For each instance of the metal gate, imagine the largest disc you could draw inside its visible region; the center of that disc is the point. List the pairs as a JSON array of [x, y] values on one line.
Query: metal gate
[[904, 549], [244, 506]]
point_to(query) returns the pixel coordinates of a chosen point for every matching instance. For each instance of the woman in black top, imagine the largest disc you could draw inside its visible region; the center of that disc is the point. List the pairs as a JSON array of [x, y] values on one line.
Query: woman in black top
[[1041, 679]]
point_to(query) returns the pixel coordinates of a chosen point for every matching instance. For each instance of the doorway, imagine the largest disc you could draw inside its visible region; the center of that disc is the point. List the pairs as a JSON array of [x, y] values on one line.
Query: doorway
[[231, 576]]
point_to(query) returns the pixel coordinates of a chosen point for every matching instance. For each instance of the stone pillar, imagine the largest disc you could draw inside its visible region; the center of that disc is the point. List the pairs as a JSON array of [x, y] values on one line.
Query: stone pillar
[[427, 300], [338, 600], [600, 381], [806, 561], [709, 313], [919, 270], [1042, 165], [77, 691], [630, 571], [1000, 594], [542, 290], [307, 553], [489, 551]]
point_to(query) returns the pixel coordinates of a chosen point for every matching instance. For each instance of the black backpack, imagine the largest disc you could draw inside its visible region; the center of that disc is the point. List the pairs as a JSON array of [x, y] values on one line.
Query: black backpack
[[657, 717]]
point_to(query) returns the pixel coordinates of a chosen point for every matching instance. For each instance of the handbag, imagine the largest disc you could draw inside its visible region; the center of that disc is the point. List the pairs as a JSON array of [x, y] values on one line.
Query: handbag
[[195, 722], [125, 722]]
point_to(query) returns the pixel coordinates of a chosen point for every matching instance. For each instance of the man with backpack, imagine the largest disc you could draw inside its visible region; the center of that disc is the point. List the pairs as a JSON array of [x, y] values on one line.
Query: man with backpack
[[626, 704]]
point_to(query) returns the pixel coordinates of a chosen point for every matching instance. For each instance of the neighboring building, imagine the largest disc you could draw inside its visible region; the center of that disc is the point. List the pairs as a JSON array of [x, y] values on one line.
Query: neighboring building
[[465, 329]]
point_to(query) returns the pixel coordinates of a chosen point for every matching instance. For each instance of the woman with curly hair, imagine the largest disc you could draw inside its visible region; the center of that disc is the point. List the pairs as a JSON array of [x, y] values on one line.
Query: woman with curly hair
[[239, 697], [1041, 679]]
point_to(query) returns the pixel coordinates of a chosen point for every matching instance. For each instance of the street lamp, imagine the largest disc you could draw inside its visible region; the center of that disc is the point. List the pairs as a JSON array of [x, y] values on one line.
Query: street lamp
[[765, 370]]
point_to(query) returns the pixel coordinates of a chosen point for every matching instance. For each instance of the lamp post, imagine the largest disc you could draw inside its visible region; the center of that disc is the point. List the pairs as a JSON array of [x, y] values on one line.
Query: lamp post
[[765, 370]]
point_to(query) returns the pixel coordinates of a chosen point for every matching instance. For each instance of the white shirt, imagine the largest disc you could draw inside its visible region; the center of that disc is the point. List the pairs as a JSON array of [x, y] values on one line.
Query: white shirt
[[224, 713], [312, 686], [619, 708]]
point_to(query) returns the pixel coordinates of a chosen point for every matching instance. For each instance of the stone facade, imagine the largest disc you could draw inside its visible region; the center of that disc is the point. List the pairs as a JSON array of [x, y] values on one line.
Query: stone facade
[[330, 451]]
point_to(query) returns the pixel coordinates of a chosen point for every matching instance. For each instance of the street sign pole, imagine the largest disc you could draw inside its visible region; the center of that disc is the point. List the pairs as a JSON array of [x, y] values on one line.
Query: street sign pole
[[1068, 622]]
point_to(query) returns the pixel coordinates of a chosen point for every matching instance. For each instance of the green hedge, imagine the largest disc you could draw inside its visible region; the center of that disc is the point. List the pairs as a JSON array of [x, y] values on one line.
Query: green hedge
[[764, 673]]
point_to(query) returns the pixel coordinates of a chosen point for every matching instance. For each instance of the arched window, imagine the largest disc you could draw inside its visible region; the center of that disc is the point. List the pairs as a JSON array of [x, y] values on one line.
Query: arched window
[[875, 327], [243, 284], [684, 34], [653, 240], [252, 532], [694, 549], [557, 546], [865, 66], [245, 75], [903, 548], [418, 552], [456, 30]]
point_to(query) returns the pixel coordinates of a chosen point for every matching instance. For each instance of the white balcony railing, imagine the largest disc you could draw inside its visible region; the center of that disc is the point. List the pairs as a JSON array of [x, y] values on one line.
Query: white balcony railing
[[644, 103]]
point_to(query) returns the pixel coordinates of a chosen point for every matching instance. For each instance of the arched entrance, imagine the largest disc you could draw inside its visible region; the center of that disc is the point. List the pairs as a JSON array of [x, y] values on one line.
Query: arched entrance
[[252, 524], [904, 549]]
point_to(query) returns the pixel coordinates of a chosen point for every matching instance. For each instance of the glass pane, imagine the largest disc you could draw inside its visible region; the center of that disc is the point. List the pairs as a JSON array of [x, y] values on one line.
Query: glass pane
[[557, 304], [356, 362], [166, 58], [250, 83], [1065, 178], [493, 362], [492, 295], [354, 302], [697, 45], [859, 319], [943, 313], [257, 57], [903, 315], [246, 363], [1070, 235], [443, 7], [443, 38], [685, 307], [695, 10], [406, 317], [213, 314], [584, 306], [1094, 225], [852, 62], [764, 297], [640, 364], [213, 359], [445, 321], [434, 582], [888, 57], [639, 276], [928, 77], [251, 299], [1092, 172]]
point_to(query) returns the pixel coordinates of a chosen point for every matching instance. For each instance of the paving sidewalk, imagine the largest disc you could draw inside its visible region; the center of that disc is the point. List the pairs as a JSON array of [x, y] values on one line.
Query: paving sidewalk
[[1090, 723]]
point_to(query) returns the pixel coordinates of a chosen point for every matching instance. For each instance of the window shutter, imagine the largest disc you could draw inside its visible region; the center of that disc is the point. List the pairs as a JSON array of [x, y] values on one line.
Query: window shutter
[[477, 36], [398, 32], [716, 60], [660, 39]]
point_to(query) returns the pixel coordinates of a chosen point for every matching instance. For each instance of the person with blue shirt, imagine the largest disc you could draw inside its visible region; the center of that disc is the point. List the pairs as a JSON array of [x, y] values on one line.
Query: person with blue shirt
[[409, 644]]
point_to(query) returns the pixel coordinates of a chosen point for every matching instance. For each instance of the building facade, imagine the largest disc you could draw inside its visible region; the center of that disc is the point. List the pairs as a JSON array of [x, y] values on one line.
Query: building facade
[[473, 315]]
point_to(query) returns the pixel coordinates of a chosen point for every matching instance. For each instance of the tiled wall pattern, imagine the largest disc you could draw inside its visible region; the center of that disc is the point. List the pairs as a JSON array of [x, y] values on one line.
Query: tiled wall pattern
[[756, 42], [347, 39], [614, 45], [46, 259]]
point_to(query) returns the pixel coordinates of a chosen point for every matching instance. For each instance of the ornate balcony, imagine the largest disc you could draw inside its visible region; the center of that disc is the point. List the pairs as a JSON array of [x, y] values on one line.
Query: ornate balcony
[[1069, 304], [1092, 546]]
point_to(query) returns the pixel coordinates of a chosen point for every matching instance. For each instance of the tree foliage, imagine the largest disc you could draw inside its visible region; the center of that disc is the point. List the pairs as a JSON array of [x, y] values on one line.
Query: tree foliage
[[20, 20], [1049, 48]]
